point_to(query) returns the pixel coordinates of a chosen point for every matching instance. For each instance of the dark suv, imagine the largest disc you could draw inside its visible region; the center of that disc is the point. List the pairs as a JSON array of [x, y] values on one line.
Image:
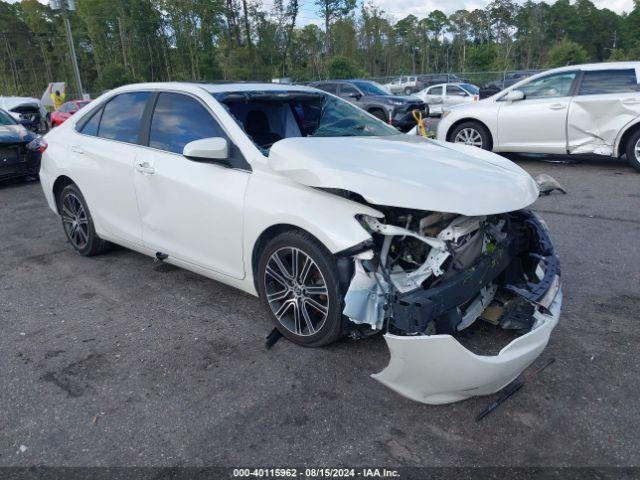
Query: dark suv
[[394, 109]]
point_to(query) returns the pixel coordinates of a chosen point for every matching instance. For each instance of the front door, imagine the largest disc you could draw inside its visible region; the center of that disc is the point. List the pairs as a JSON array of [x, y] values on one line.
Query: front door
[[190, 210], [538, 123]]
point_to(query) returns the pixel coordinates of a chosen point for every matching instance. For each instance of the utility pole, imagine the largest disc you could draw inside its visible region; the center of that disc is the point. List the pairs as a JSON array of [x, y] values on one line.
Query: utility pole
[[65, 6]]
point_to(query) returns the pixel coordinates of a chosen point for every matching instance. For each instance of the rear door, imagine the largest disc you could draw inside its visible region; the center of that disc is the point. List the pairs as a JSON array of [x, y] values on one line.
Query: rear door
[[104, 154], [190, 210], [538, 123], [606, 101]]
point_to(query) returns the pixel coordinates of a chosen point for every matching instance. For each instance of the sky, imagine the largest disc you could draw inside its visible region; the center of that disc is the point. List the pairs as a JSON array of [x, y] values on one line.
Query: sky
[[400, 8]]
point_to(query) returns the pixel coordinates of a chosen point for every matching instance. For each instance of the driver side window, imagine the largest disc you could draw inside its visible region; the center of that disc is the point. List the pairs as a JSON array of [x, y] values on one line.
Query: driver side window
[[179, 119], [556, 85]]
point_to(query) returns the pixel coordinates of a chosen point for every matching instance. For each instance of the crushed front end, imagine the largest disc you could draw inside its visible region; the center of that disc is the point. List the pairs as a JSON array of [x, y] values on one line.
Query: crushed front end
[[445, 289]]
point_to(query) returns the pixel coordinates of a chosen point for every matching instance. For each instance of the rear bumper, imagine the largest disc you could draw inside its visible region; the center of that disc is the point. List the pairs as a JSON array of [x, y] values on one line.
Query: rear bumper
[[437, 369]]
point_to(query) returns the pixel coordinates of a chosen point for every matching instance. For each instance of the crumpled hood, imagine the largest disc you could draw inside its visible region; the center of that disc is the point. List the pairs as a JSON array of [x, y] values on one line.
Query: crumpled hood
[[407, 171], [14, 134]]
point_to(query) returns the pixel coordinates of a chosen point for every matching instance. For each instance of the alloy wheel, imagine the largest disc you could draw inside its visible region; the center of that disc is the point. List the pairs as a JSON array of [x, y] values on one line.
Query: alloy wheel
[[637, 150], [75, 221], [469, 136], [296, 291]]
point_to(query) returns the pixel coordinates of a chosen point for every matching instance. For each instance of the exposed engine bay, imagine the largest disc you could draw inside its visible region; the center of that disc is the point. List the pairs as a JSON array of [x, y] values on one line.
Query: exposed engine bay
[[431, 275]]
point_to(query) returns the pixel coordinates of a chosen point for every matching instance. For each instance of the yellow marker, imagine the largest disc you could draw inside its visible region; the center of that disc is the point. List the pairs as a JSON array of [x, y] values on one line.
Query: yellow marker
[[417, 114]]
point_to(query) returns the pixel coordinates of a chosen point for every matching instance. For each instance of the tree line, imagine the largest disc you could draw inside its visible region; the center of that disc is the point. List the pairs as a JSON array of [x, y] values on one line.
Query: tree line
[[124, 41]]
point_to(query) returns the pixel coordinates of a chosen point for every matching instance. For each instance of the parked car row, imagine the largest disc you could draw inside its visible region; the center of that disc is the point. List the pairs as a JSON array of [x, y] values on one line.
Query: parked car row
[[408, 84]]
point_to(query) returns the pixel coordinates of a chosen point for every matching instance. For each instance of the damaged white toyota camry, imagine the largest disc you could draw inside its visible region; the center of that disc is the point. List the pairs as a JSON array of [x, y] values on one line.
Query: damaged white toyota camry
[[342, 225]]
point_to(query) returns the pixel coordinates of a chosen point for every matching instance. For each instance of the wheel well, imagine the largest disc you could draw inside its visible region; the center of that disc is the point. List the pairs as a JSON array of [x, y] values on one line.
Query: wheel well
[[465, 120], [622, 149], [264, 238], [61, 182], [377, 109]]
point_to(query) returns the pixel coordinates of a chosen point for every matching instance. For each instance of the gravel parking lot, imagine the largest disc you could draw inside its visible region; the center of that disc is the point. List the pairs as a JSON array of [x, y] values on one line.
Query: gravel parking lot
[[117, 361]]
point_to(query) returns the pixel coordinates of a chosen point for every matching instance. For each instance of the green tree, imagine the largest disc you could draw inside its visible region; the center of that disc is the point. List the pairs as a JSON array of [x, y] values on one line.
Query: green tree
[[341, 67], [566, 52]]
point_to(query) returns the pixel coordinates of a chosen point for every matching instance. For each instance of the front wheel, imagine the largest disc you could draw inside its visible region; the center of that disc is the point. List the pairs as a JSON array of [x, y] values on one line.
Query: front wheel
[[633, 151], [298, 283], [473, 134]]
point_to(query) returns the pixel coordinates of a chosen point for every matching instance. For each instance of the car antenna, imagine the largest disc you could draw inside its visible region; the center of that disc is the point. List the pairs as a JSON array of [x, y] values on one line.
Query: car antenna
[[510, 389]]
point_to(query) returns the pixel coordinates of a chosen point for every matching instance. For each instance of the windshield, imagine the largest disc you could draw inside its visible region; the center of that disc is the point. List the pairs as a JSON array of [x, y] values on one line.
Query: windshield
[[267, 117], [472, 89], [371, 88], [6, 119]]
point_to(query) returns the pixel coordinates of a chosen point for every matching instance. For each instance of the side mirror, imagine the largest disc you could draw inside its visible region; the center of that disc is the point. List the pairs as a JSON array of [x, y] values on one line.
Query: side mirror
[[514, 96], [357, 96], [215, 148]]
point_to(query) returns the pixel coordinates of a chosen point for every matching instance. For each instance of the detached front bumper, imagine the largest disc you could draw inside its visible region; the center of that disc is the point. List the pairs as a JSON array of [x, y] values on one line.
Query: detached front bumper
[[437, 369], [516, 282]]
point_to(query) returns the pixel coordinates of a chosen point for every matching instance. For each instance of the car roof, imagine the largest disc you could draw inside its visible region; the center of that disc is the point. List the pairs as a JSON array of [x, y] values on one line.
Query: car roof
[[217, 87], [597, 66]]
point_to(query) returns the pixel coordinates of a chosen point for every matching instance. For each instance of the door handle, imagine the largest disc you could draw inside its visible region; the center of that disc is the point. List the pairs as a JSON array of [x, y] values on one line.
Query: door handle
[[145, 168], [77, 149], [557, 106]]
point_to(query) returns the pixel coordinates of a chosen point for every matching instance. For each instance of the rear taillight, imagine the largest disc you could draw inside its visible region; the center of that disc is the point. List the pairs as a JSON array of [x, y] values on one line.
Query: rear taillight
[[38, 144]]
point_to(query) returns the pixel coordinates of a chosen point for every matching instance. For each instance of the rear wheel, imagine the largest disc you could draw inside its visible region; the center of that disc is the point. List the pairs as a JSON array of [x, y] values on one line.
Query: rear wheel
[[78, 224], [633, 150], [298, 283], [408, 91], [471, 133]]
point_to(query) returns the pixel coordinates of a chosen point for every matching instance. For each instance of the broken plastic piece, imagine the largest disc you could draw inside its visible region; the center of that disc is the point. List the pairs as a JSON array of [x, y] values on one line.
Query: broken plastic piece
[[547, 184]]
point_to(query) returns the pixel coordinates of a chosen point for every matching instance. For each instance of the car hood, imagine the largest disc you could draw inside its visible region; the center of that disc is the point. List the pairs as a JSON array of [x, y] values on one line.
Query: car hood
[[407, 171], [14, 134]]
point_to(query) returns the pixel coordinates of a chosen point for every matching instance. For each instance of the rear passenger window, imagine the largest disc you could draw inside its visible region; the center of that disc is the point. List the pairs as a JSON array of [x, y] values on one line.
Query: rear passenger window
[[179, 119], [90, 127], [609, 81], [122, 116]]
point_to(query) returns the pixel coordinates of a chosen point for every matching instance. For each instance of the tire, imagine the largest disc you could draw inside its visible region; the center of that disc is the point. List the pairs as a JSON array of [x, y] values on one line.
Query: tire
[[477, 134], [408, 91], [310, 319], [633, 150], [379, 114], [78, 224]]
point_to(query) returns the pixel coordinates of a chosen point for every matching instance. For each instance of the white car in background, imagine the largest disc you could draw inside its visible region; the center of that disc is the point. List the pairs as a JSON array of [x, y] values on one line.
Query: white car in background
[[338, 222], [27, 111], [581, 109], [446, 95]]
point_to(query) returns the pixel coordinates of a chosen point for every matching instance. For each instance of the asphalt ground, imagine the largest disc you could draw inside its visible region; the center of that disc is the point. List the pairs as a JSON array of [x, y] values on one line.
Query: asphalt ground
[[117, 361]]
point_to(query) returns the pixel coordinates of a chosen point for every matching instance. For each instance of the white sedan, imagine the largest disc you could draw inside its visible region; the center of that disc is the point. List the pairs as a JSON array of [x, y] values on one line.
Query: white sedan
[[443, 96], [339, 223], [581, 109]]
